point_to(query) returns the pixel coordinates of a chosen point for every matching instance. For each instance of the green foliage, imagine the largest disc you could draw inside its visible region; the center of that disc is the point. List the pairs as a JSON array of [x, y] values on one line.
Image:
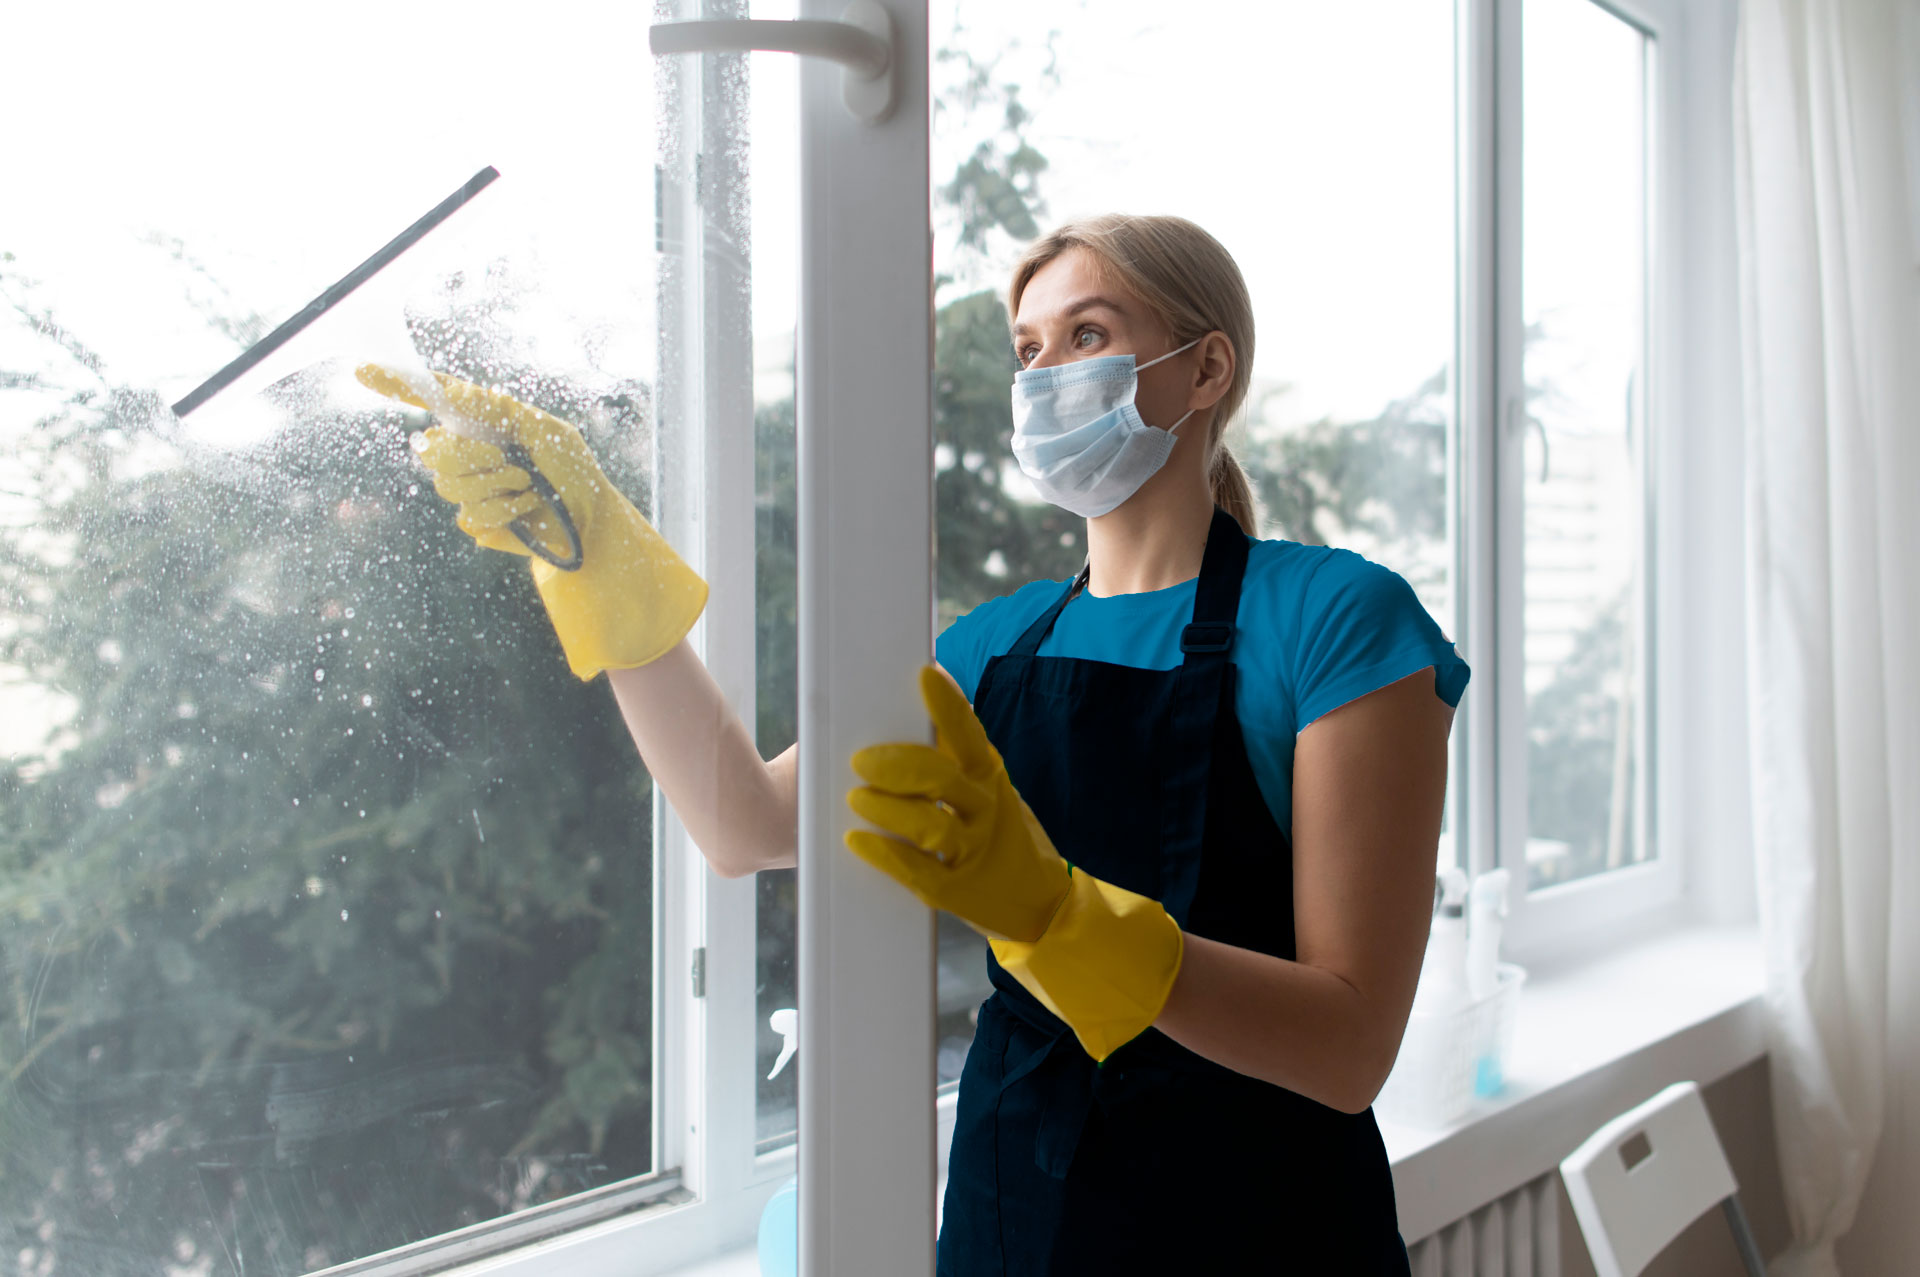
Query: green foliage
[[993, 196], [335, 883]]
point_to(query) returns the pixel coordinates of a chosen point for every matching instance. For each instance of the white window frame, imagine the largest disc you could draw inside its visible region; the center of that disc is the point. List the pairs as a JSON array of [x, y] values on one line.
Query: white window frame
[[1564, 918]]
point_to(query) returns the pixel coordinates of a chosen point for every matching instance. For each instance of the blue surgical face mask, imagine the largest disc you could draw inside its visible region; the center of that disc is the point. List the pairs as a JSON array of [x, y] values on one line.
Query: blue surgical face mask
[[1078, 436]]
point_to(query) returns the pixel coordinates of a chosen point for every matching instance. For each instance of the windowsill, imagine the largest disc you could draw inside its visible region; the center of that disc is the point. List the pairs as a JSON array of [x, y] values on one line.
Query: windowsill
[[1591, 1040]]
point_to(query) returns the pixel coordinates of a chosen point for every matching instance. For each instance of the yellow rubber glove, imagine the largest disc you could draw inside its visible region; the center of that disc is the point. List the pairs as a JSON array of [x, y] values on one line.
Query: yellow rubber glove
[[971, 846], [962, 839], [632, 598], [1105, 965]]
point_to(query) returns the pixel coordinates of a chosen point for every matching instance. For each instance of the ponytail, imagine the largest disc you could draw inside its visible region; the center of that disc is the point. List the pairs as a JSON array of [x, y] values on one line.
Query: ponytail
[[1232, 492]]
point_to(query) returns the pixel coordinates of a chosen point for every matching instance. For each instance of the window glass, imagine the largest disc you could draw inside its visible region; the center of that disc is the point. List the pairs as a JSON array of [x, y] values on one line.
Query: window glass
[[326, 891], [1317, 146], [775, 90], [1585, 195]]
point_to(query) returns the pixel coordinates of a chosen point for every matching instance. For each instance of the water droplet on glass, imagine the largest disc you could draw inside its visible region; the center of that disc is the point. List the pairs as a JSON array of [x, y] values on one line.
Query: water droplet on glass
[[366, 698], [349, 617], [343, 915], [319, 676], [436, 913]]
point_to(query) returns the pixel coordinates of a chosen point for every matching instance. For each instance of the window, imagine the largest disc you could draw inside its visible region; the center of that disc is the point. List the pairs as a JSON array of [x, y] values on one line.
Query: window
[[339, 924], [1584, 204], [1576, 185], [342, 926], [330, 915], [1430, 273], [1341, 221]]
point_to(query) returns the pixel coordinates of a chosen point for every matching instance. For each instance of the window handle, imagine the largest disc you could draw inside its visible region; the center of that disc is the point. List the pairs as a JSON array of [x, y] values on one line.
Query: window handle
[[861, 41], [785, 1022]]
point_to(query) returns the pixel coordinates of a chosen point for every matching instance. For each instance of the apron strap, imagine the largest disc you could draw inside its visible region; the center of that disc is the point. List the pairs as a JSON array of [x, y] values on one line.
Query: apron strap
[[1205, 683], [1204, 680], [1029, 643], [1216, 599], [1063, 1072]]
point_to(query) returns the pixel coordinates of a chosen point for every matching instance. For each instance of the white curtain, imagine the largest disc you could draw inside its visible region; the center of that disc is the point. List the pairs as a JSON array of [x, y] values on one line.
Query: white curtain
[[1830, 311]]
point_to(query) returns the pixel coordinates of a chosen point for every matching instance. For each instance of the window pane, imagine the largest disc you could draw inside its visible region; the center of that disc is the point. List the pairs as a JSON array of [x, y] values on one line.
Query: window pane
[[1331, 183], [327, 912], [1585, 196], [776, 193]]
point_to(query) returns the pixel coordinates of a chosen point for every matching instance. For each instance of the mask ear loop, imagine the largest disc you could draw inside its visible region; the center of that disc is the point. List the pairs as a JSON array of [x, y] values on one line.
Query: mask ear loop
[[1140, 368]]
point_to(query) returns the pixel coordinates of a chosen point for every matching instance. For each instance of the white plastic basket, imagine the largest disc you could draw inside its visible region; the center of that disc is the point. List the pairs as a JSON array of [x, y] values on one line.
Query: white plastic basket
[[1449, 1059]]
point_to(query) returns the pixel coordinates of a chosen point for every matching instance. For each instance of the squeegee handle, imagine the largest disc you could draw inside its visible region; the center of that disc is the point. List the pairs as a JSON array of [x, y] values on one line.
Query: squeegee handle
[[570, 562]]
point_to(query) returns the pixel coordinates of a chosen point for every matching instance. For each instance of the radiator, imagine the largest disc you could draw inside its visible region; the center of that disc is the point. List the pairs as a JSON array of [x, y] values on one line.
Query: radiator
[[1513, 1236]]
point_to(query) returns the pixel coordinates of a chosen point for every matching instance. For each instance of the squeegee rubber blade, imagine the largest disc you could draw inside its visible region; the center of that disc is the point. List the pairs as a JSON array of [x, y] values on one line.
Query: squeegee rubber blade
[[336, 293]]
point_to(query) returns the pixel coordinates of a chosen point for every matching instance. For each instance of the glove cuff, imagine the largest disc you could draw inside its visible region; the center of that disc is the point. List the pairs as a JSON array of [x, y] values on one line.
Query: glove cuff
[[632, 599], [1105, 965]]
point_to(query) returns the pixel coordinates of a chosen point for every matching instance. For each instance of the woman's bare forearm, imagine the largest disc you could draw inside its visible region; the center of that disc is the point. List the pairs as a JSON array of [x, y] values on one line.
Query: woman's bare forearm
[[740, 808], [1283, 1022]]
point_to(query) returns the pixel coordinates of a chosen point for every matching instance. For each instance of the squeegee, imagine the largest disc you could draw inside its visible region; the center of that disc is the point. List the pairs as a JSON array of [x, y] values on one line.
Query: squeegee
[[271, 359]]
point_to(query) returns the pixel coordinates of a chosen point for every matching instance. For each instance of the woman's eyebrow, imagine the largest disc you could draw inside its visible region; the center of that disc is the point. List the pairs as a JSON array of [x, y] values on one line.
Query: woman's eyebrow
[[1080, 307]]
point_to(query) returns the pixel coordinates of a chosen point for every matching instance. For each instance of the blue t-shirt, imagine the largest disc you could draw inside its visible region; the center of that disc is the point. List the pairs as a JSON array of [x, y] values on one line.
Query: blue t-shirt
[[1318, 627]]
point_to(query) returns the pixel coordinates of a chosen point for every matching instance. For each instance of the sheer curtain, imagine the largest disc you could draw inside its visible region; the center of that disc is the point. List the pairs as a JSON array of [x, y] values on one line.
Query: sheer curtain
[[1830, 308]]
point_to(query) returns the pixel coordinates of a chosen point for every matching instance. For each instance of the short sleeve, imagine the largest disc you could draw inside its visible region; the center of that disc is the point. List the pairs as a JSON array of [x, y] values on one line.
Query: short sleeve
[[961, 649], [1361, 628]]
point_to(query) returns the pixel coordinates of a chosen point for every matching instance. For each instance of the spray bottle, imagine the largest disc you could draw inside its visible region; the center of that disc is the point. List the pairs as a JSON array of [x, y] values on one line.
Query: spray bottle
[[1443, 974], [1486, 914]]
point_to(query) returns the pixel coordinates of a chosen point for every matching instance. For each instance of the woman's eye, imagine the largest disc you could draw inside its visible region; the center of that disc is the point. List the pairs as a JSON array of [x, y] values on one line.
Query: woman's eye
[[1085, 338]]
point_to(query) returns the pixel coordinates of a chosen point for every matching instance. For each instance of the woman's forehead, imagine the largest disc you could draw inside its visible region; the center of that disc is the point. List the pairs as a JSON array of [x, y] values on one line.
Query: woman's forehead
[[1070, 285]]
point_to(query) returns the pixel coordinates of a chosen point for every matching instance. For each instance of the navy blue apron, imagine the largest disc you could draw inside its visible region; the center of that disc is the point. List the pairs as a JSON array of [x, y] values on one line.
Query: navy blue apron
[[1158, 1160]]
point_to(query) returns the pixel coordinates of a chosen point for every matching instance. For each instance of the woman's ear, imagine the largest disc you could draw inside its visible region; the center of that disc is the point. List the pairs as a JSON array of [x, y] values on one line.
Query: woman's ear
[[1213, 371]]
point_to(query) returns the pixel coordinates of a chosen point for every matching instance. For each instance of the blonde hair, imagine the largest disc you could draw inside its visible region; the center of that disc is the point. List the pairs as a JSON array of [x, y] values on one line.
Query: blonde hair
[[1189, 281]]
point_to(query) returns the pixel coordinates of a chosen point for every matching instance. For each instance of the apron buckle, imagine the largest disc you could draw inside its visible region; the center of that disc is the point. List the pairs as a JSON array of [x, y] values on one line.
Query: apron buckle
[[1207, 636]]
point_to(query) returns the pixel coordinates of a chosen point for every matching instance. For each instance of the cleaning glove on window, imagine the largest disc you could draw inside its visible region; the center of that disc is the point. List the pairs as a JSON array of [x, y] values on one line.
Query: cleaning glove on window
[[962, 839], [632, 599]]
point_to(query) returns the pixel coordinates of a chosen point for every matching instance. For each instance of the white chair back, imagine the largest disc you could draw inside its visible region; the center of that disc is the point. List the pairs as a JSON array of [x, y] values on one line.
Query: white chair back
[[1643, 1177]]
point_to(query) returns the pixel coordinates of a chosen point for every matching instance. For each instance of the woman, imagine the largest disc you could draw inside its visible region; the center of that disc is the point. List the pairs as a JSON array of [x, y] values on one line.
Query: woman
[[1194, 803]]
